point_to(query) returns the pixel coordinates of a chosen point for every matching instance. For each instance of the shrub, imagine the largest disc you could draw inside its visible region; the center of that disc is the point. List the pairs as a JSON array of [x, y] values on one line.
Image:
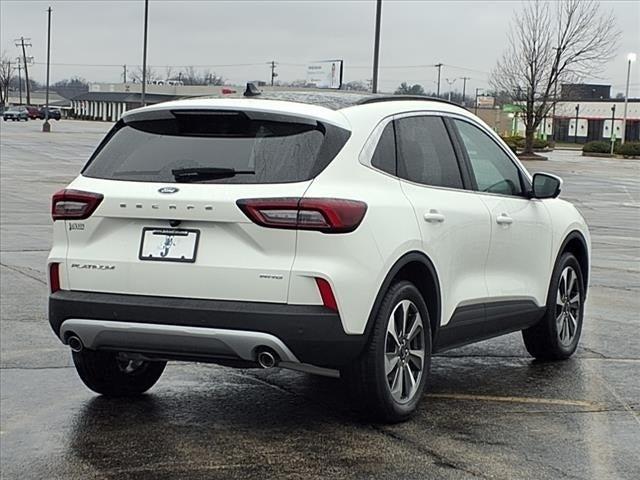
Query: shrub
[[596, 147], [539, 144], [516, 141], [629, 149]]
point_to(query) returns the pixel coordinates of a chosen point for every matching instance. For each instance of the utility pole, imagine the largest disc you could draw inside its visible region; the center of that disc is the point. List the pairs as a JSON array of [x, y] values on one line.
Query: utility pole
[[19, 60], [273, 71], [144, 53], [124, 74], [475, 110], [22, 44], [464, 89], [376, 47], [439, 67], [46, 126]]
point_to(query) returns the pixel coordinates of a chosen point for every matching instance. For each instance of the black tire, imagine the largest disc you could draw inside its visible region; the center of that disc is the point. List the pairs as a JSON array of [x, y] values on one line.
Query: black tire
[[544, 340], [366, 378], [104, 373]]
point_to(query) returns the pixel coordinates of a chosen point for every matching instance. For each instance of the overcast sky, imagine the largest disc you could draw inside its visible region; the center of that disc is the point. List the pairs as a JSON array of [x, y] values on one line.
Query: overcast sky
[[467, 36]]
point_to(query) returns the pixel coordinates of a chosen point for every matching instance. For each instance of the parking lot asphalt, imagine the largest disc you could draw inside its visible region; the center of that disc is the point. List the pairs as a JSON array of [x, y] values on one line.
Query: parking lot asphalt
[[490, 411]]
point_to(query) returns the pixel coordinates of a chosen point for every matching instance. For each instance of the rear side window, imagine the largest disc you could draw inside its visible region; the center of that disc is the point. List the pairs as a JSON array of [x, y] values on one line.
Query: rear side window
[[384, 157], [425, 153], [216, 147]]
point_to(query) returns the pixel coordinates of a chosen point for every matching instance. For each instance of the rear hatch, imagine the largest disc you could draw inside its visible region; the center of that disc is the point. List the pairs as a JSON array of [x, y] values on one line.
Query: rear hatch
[[164, 188]]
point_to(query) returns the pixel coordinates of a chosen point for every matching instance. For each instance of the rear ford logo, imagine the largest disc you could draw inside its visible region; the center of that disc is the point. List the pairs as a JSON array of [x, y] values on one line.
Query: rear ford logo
[[168, 190]]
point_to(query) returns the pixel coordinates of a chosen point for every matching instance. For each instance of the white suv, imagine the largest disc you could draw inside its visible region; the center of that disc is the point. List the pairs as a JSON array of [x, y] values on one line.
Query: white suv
[[336, 234]]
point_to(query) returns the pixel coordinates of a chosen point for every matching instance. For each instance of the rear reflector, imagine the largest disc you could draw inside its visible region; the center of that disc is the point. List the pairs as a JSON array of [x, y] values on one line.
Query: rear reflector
[[328, 215], [328, 299], [54, 277], [74, 204]]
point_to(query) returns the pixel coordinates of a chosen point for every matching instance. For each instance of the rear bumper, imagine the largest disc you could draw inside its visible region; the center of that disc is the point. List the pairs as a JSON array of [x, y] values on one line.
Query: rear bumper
[[309, 334]]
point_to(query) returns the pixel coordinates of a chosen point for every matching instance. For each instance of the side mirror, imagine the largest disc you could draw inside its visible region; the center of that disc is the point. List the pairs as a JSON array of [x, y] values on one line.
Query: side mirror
[[546, 185]]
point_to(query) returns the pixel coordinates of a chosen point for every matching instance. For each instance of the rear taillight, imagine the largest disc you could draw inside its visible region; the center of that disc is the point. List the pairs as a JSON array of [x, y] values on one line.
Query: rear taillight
[[328, 299], [74, 204], [328, 215], [54, 277]]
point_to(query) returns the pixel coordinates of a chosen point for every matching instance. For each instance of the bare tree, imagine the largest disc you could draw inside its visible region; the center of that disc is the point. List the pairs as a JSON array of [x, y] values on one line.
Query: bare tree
[[168, 72], [552, 43], [190, 76], [357, 85], [406, 89], [6, 75], [151, 75]]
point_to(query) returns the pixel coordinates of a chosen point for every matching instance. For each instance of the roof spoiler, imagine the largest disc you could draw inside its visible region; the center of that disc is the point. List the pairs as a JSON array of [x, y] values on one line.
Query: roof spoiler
[[251, 90]]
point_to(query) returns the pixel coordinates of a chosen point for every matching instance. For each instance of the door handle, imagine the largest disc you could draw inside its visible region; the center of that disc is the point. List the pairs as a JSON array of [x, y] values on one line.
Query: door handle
[[434, 216], [504, 219]]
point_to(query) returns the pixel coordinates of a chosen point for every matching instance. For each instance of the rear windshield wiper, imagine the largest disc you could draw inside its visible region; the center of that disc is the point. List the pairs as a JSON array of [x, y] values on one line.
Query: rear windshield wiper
[[198, 174]]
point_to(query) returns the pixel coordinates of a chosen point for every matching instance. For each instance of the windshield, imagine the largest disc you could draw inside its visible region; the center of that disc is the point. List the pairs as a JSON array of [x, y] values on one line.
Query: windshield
[[217, 147]]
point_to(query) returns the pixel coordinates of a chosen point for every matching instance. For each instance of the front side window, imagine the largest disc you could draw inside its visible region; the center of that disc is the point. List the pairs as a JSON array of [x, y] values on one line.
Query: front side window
[[425, 153], [493, 169]]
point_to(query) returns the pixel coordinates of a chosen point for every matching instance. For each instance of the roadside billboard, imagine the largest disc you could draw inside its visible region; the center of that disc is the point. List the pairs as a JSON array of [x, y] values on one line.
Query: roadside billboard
[[485, 101], [325, 74]]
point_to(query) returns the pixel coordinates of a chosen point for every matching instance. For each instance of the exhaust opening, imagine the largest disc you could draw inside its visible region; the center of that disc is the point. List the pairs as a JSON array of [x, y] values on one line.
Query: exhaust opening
[[75, 344], [267, 358]]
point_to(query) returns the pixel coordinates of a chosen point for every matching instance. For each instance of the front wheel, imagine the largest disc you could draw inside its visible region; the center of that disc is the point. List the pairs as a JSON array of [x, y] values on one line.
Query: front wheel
[[389, 377], [556, 336], [110, 375]]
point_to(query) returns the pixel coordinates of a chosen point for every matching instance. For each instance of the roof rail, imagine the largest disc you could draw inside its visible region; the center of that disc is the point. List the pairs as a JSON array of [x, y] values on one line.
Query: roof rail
[[392, 98]]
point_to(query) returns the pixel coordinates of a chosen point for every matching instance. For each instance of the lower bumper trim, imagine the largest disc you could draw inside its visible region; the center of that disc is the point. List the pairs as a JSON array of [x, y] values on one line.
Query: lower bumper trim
[[173, 339]]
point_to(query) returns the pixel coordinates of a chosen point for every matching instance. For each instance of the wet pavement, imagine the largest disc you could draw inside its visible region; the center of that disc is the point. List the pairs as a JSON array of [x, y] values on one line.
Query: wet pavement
[[490, 411]]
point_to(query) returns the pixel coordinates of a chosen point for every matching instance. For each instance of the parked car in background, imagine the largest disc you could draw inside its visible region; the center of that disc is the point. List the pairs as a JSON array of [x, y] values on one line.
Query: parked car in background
[[16, 114], [33, 112], [54, 113]]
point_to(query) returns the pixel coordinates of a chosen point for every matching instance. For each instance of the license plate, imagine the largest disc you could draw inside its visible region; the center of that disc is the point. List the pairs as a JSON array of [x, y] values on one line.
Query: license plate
[[169, 245]]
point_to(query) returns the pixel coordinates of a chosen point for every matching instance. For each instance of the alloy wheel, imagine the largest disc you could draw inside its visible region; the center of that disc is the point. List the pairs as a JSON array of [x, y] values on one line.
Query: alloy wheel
[[404, 351], [567, 306]]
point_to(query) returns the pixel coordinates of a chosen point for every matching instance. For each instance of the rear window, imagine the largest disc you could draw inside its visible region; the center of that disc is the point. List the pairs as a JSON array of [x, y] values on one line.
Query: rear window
[[216, 147]]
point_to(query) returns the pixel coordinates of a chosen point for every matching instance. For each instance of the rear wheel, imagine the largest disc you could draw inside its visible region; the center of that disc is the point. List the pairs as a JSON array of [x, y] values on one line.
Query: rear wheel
[[557, 335], [390, 376], [109, 374]]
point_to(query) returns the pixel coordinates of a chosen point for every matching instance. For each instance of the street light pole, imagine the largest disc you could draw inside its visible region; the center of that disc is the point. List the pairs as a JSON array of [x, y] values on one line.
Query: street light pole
[[376, 48], [144, 53], [630, 59], [575, 128], [46, 126], [612, 136], [450, 83]]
